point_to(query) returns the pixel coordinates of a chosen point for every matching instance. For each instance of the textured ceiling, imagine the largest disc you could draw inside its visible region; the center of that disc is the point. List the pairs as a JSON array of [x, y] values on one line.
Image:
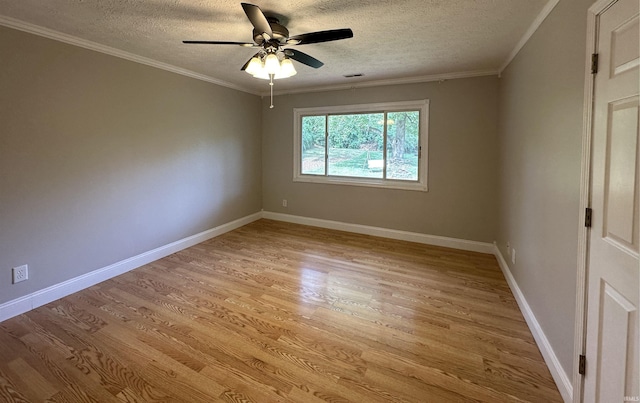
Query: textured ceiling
[[393, 39]]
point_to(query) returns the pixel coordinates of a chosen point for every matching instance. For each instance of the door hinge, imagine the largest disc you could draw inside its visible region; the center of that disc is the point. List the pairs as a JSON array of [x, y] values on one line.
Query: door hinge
[[587, 217], [582, 364], [420, 152], [594, 63]]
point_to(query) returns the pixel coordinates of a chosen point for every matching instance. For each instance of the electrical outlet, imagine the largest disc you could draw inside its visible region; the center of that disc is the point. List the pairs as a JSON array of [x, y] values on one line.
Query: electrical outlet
[[284, 202], [513, 256], [20, 273]]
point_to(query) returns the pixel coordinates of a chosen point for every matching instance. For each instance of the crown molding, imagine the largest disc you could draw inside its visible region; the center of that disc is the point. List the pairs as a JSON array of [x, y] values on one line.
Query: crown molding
[[83, 43], [544, 13], [392, 81]]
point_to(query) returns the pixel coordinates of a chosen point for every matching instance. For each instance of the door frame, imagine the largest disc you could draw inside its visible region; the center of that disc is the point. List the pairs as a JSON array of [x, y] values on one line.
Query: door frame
[[580, 335]]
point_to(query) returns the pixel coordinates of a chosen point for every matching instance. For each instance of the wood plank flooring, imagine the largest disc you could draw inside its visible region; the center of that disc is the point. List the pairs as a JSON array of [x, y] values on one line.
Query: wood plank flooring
[[277, 312]]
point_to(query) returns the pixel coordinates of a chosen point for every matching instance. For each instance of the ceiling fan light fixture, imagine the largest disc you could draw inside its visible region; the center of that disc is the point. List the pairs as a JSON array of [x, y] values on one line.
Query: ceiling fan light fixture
[[272, 64], [286, 69], [255, 66]]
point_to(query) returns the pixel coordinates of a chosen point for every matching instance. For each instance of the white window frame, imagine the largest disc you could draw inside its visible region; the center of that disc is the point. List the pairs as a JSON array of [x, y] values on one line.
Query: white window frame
[[420, 105]]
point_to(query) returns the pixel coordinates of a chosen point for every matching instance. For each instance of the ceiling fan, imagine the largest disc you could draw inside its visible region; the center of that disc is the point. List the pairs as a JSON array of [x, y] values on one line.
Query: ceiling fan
[[273, 60]]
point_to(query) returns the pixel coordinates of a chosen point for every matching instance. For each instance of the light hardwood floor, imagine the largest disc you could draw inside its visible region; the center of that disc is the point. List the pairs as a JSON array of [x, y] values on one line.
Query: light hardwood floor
[[276, 312]]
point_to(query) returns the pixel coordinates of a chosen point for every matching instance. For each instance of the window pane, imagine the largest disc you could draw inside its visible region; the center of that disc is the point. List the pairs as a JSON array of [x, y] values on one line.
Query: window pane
[[355, 145], [403, 145], [313, 140]]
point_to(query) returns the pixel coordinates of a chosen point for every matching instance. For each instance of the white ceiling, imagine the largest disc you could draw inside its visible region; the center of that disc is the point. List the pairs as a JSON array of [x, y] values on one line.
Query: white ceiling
[[394, 40]]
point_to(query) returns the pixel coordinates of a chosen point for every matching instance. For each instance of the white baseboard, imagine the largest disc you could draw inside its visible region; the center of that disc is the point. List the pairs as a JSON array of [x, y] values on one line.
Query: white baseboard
[[28, 302], [551, 359], [435, 240]]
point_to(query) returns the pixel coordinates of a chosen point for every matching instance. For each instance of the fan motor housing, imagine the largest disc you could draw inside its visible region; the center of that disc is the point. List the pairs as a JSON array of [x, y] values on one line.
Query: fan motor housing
[[280, 32]]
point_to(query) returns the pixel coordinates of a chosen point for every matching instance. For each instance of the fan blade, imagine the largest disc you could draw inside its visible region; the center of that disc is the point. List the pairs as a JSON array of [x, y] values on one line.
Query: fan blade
[[303, 58], [320, 36], [245, 44], [257, 18], [249, 61]]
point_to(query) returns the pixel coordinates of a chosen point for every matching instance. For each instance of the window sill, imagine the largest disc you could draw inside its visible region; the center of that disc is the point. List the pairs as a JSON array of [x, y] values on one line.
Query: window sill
[[366, 182]]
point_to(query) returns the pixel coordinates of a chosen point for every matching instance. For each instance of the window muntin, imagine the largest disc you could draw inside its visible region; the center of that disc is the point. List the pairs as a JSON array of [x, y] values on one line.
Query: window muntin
[[381, 145]]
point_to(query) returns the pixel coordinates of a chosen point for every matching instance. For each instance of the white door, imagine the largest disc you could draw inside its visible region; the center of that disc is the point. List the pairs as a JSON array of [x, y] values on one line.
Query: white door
[[612, 347]]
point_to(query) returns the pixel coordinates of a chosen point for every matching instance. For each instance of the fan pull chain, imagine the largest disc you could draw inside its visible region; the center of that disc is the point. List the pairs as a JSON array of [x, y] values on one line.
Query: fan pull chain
[[271, 85]]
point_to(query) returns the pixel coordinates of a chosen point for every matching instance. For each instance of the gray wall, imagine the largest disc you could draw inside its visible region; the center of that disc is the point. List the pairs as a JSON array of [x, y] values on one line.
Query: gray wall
[[102, 159], [461, 201], [540, 129]]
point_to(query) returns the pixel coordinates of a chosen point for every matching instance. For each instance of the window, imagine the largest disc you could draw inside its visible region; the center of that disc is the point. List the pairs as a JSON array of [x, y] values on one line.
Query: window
[[380, 145]]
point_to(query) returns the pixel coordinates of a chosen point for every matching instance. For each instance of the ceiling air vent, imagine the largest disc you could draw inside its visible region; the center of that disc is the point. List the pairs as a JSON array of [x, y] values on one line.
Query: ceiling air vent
[[353, 75]]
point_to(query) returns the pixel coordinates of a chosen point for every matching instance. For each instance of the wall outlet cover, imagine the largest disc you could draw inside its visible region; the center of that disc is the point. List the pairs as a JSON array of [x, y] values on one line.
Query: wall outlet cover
[[20, 273]]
